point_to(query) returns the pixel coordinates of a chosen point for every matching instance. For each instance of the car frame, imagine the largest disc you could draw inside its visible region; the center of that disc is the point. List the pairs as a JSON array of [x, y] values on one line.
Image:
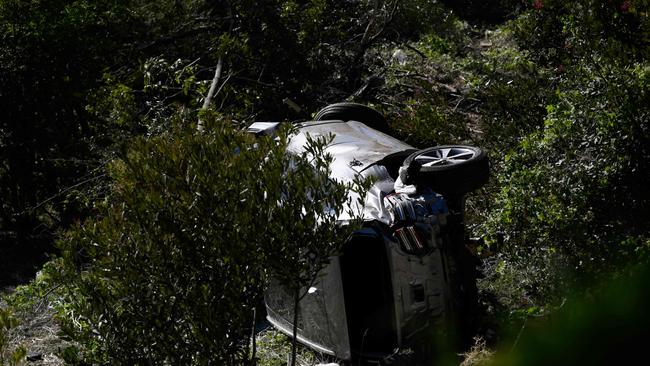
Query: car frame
[[407, 274]]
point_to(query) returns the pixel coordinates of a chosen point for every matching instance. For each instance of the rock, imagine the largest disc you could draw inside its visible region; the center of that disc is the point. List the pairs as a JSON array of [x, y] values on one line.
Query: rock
[[34, 356], [400, 56]]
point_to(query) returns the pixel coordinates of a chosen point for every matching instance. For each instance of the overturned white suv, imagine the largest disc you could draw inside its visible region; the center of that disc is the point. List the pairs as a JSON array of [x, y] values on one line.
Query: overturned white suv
[[407, 274]]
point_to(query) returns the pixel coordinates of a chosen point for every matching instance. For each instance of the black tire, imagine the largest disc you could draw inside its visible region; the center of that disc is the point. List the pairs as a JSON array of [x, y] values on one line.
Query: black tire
[[354, 112], [449, 169]]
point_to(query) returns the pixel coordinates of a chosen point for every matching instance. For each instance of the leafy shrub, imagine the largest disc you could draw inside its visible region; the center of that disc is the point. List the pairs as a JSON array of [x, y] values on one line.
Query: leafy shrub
[[609, 326], [491, 11], [575, 188], [9, 356], [171, 268], [563, 31], [52, 55], [513, 91], [415, 18], [423, 123], [490, 97]]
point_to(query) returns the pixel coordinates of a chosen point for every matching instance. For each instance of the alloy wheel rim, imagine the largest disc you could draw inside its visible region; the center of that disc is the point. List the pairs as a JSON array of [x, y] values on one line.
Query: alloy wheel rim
[[445, 156]]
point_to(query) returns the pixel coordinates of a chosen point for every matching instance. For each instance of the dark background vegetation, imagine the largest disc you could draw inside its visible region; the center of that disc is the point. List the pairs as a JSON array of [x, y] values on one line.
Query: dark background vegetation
[[556, 91]]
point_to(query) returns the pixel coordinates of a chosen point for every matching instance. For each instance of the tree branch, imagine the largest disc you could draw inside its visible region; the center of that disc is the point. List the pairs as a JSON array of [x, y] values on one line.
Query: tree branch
[[211, 92]]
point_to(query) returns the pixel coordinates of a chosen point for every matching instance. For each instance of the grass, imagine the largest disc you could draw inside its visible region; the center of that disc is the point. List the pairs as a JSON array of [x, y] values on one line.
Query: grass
[[479, 354], [36, 330], [274, 349]]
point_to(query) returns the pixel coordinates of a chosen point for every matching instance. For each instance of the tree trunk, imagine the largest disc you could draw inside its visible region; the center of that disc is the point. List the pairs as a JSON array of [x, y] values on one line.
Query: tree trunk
[[213, 88], [254, 346], [296, 303]]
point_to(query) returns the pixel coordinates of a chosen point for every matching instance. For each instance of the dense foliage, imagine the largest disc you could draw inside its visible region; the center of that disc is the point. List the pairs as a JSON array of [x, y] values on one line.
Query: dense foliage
[[174, 264], [571, 196], [615, 311], [9, 355], [79, 78], [52, 57], [577, 185]]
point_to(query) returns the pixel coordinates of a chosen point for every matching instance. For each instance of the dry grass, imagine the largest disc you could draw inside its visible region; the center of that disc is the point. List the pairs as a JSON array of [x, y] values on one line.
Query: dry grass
[[38, 333], [274, 349], [479, 354]]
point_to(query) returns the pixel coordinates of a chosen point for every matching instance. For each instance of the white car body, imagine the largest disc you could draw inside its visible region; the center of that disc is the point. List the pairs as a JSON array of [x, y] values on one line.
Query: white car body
[[382, 292]]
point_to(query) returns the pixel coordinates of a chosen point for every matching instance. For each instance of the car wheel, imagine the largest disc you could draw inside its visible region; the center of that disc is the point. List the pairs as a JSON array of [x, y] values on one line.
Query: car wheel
[[354, 112], [449, 169]]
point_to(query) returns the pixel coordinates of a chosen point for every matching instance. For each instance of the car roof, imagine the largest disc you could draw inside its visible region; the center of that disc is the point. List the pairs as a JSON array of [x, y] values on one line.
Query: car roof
[[355, 146]]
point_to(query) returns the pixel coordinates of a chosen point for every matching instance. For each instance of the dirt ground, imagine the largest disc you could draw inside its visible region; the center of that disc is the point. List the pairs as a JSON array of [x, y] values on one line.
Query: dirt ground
[[37, 331]]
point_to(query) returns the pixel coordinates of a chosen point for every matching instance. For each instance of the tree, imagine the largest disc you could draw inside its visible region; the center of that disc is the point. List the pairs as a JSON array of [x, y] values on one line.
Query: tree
[[572, 196], [52, 57], [308, 231], [195, 224]]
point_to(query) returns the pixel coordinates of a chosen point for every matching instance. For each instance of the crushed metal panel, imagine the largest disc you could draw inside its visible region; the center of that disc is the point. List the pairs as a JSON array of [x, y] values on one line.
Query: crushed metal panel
[[354, 148], [373, 207], [263, 128], [418, 287], [322, 321], [419, 282]]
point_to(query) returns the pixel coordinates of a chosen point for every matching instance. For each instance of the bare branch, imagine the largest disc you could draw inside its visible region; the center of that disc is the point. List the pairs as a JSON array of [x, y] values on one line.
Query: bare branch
[[211, 92], [213, 86]]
